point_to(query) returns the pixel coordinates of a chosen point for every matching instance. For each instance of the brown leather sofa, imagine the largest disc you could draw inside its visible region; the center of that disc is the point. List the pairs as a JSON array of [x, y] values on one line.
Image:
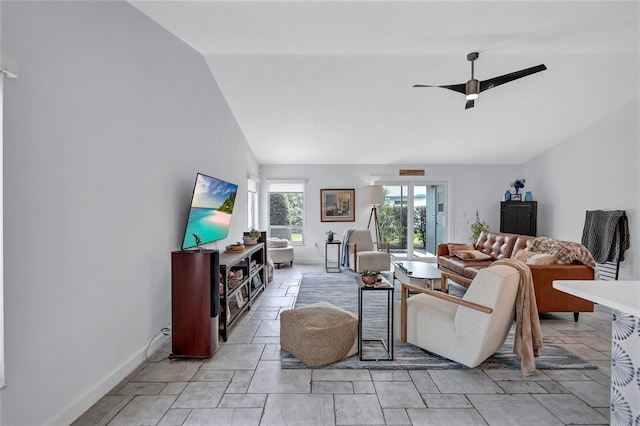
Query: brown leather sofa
[[502, 245]]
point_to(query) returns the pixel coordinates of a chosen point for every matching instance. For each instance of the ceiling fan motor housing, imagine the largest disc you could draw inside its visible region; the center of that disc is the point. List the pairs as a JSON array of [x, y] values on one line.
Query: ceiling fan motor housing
[[472, 89]]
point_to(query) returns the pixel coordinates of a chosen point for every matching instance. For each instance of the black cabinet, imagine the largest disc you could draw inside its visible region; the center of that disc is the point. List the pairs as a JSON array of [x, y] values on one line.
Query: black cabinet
[[518, 217]]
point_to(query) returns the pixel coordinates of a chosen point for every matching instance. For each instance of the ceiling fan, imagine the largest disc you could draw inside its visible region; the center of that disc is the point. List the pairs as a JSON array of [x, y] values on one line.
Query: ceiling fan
[[472, 88]]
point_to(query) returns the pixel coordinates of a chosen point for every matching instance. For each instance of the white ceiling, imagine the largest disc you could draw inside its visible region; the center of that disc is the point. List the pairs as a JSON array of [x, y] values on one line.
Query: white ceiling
[[330, 82]]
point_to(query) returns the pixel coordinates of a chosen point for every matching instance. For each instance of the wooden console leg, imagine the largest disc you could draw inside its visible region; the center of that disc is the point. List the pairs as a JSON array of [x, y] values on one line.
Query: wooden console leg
[[403, 313], [444, 286], [575, 316]]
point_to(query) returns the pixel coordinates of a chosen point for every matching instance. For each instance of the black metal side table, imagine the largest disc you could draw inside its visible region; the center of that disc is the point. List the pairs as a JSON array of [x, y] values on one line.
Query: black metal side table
[[388, 346], [326, 258]]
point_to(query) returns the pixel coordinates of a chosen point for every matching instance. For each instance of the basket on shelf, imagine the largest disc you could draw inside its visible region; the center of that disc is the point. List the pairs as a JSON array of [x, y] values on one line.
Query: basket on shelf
[[234, 278]]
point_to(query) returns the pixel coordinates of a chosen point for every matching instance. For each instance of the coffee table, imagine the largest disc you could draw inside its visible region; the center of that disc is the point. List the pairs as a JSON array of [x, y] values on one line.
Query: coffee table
[[422, 274]]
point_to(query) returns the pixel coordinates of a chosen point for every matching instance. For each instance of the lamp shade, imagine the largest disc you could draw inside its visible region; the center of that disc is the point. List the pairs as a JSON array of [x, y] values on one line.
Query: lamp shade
[[373, 195]]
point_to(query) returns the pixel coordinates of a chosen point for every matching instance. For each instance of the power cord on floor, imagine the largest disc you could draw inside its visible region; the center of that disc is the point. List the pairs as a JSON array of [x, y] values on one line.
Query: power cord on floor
[[164, 331]]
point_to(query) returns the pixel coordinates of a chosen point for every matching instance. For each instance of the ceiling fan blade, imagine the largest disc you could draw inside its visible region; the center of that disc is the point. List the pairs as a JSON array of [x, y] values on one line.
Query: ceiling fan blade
[[469, 104], [497, 81], [460, 88]]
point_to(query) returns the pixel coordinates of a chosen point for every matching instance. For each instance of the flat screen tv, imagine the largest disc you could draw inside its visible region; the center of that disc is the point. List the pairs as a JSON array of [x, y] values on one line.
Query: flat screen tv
[[210, 212]]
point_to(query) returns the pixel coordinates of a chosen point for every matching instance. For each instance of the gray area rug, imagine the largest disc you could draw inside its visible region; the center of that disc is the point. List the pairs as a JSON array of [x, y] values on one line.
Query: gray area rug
[[341, 290]]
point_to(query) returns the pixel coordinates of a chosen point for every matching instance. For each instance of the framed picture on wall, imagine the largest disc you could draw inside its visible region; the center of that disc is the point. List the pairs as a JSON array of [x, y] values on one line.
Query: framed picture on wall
[[337, 205]]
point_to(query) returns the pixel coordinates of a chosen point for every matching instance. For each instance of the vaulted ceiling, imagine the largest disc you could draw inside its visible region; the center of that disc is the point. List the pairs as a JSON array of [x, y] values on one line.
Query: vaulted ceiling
[[330, 82]]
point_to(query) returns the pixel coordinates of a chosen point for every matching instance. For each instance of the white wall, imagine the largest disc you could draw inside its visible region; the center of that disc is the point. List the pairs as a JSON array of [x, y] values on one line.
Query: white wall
[[596, 169], [472, 188], [105, 129]]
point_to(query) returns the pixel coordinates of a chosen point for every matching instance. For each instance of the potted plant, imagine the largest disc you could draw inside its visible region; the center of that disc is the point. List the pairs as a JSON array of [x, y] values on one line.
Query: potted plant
[[369, 278], [252, 238], [477, 227], [330, 235]]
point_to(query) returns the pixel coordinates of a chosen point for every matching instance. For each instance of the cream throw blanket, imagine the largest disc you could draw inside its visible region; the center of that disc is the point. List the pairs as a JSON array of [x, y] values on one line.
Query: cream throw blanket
[[528, 335]]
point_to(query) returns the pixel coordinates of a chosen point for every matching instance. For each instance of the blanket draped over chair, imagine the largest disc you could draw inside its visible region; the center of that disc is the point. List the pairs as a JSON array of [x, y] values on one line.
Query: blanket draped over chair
[[345, 248], [528, 333], [606, 235]]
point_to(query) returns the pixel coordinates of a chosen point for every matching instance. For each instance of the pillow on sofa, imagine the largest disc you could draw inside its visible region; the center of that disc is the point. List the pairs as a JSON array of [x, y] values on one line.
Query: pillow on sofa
[[453, 248], [522, 255], [541, 259], [472, 255], [531, 258]]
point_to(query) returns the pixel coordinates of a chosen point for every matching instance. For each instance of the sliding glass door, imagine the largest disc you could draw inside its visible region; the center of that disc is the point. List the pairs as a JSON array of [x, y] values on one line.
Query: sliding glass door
[[412, 219]]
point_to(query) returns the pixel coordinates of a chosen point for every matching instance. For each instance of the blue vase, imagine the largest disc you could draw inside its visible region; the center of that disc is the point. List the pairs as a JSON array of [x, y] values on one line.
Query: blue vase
[[507, 195], [528, 196], [329, 237]]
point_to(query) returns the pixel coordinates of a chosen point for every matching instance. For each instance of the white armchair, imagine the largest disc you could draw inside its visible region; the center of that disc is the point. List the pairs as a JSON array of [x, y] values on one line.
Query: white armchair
[[364, 254], [466, 330]]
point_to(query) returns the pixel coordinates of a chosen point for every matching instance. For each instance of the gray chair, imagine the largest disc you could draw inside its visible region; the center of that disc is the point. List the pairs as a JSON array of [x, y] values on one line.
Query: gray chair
[[364, 254]]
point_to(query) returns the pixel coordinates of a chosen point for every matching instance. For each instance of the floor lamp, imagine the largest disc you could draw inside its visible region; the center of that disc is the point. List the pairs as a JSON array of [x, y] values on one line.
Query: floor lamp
[[373, 197]]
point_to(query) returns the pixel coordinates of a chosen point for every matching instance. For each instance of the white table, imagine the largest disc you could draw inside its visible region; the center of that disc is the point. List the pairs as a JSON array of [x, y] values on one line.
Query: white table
[[624, 298]]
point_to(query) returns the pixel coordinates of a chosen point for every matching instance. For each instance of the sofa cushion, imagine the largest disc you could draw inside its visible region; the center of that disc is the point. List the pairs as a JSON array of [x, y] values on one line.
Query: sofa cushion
[[454, 248], [471, 255], [465, 268], [522, 242], [498, 245]]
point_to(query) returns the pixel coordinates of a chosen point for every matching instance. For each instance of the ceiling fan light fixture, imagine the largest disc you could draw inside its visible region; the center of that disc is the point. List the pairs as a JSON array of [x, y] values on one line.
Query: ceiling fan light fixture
[[472, 89]]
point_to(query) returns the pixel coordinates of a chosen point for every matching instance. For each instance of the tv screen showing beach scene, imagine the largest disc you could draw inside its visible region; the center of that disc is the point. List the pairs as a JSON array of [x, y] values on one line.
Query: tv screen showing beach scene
[[210, 213]]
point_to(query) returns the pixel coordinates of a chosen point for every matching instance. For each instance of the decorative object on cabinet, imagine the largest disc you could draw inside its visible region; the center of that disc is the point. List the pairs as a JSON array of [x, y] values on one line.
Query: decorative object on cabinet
[[330, 235], [195, 303], [518, 184], [238, 246], [244, 274], [239, 299], [519, 217], [528, 196], [337, 205], [251, 237]]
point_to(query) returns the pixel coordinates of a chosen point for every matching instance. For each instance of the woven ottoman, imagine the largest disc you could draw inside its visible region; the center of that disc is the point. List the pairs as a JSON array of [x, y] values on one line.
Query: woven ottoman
[[319, 334]]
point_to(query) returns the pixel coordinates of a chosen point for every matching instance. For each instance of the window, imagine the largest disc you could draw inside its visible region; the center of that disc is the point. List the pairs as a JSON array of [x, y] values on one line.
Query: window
[[286, 210], [252, 202]]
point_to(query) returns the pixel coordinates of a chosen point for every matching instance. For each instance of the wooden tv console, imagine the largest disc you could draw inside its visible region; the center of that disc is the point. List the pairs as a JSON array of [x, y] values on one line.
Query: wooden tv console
[[242, 275]]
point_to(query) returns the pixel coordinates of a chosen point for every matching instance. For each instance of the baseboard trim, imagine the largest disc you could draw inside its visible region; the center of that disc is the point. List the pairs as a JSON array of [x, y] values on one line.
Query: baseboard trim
[[74, 410]]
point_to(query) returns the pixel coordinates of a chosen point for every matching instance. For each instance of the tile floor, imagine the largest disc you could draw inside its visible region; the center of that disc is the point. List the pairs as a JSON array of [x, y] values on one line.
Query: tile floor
[[244, 385]]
